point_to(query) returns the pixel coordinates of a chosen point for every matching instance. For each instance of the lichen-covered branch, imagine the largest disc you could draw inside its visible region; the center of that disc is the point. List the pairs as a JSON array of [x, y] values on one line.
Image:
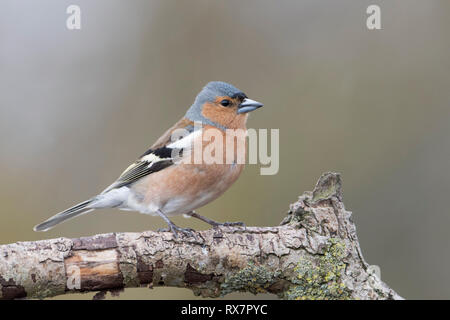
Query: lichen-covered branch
[[313, 254]]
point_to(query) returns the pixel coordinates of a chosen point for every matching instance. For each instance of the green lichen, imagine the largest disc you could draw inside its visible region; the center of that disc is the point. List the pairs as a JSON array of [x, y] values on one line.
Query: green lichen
[[319, 278], [253, 278]]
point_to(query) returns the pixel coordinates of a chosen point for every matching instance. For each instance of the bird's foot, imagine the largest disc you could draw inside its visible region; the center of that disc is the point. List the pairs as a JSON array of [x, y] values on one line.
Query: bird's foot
[[177, 230]]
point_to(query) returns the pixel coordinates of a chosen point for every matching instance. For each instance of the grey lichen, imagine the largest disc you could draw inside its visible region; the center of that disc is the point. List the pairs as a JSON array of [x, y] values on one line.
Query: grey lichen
[[253, 278], [329, 185], [299, 211]]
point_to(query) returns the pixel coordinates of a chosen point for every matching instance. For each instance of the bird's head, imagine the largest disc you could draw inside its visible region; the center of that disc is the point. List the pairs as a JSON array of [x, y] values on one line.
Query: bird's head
[[222, 105]]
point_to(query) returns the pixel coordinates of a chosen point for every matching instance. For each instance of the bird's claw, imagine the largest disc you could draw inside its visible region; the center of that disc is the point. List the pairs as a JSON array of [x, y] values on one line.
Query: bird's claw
[[176, 230]]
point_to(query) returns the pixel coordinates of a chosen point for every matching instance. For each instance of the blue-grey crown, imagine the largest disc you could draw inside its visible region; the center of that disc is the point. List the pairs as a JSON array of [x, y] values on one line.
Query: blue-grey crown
[[209, 93]]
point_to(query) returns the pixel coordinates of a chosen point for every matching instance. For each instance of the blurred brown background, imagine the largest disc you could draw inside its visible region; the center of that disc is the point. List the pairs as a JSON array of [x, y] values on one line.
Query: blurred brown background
[[77, 106]]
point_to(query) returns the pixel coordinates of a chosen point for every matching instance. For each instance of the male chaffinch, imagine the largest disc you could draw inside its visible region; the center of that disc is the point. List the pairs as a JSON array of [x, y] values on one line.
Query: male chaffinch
[[159, 184]]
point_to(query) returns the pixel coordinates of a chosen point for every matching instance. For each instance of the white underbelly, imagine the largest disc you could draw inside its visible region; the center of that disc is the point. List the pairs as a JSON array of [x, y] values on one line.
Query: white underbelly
[[174, 206]]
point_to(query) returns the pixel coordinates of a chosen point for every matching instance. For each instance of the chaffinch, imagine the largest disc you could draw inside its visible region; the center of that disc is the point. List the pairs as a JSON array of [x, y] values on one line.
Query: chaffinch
[[165, 180]]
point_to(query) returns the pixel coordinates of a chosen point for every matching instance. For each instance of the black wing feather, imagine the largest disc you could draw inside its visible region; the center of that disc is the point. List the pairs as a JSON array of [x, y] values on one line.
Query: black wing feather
[[141, 170], [153, 160]]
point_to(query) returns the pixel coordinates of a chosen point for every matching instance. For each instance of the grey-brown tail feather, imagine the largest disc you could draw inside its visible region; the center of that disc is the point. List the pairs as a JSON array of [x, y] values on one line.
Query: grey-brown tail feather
[[70, 213]]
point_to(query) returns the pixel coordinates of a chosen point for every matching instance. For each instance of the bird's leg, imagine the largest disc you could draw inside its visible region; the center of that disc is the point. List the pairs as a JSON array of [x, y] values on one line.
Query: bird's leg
[[215, 223], [175, 229]]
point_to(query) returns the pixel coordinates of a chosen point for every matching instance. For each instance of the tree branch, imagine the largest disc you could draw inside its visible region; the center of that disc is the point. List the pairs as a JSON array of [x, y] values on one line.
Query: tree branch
[[313, 254]]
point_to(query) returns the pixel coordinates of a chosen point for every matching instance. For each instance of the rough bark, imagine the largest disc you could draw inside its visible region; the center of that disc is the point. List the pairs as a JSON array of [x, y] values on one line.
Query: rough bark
[[313, 254]]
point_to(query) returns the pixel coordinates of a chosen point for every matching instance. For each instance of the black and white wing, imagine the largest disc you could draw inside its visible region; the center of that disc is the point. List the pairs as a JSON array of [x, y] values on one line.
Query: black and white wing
[[155, 160], [150, 162]]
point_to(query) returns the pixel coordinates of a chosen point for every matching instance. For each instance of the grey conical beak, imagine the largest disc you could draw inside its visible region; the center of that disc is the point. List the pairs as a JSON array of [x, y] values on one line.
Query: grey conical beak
[[248, 105]]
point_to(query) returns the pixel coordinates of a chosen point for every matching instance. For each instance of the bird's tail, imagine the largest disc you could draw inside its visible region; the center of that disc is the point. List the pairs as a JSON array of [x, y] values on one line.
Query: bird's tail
[[70, 213]]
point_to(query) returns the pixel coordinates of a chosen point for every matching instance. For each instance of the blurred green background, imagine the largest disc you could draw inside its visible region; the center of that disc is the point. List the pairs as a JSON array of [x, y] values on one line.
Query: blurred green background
[[77, 106]]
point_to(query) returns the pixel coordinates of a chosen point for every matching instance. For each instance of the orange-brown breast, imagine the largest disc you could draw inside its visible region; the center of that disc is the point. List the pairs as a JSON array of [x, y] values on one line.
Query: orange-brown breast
[[196, 184]]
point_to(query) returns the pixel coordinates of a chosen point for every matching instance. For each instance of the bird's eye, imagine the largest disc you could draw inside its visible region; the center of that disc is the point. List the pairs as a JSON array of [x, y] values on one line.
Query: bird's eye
[[225, 102]]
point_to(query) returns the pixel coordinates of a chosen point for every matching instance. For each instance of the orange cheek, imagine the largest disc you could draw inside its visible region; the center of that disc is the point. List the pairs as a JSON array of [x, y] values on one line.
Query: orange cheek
[[220, 115]]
